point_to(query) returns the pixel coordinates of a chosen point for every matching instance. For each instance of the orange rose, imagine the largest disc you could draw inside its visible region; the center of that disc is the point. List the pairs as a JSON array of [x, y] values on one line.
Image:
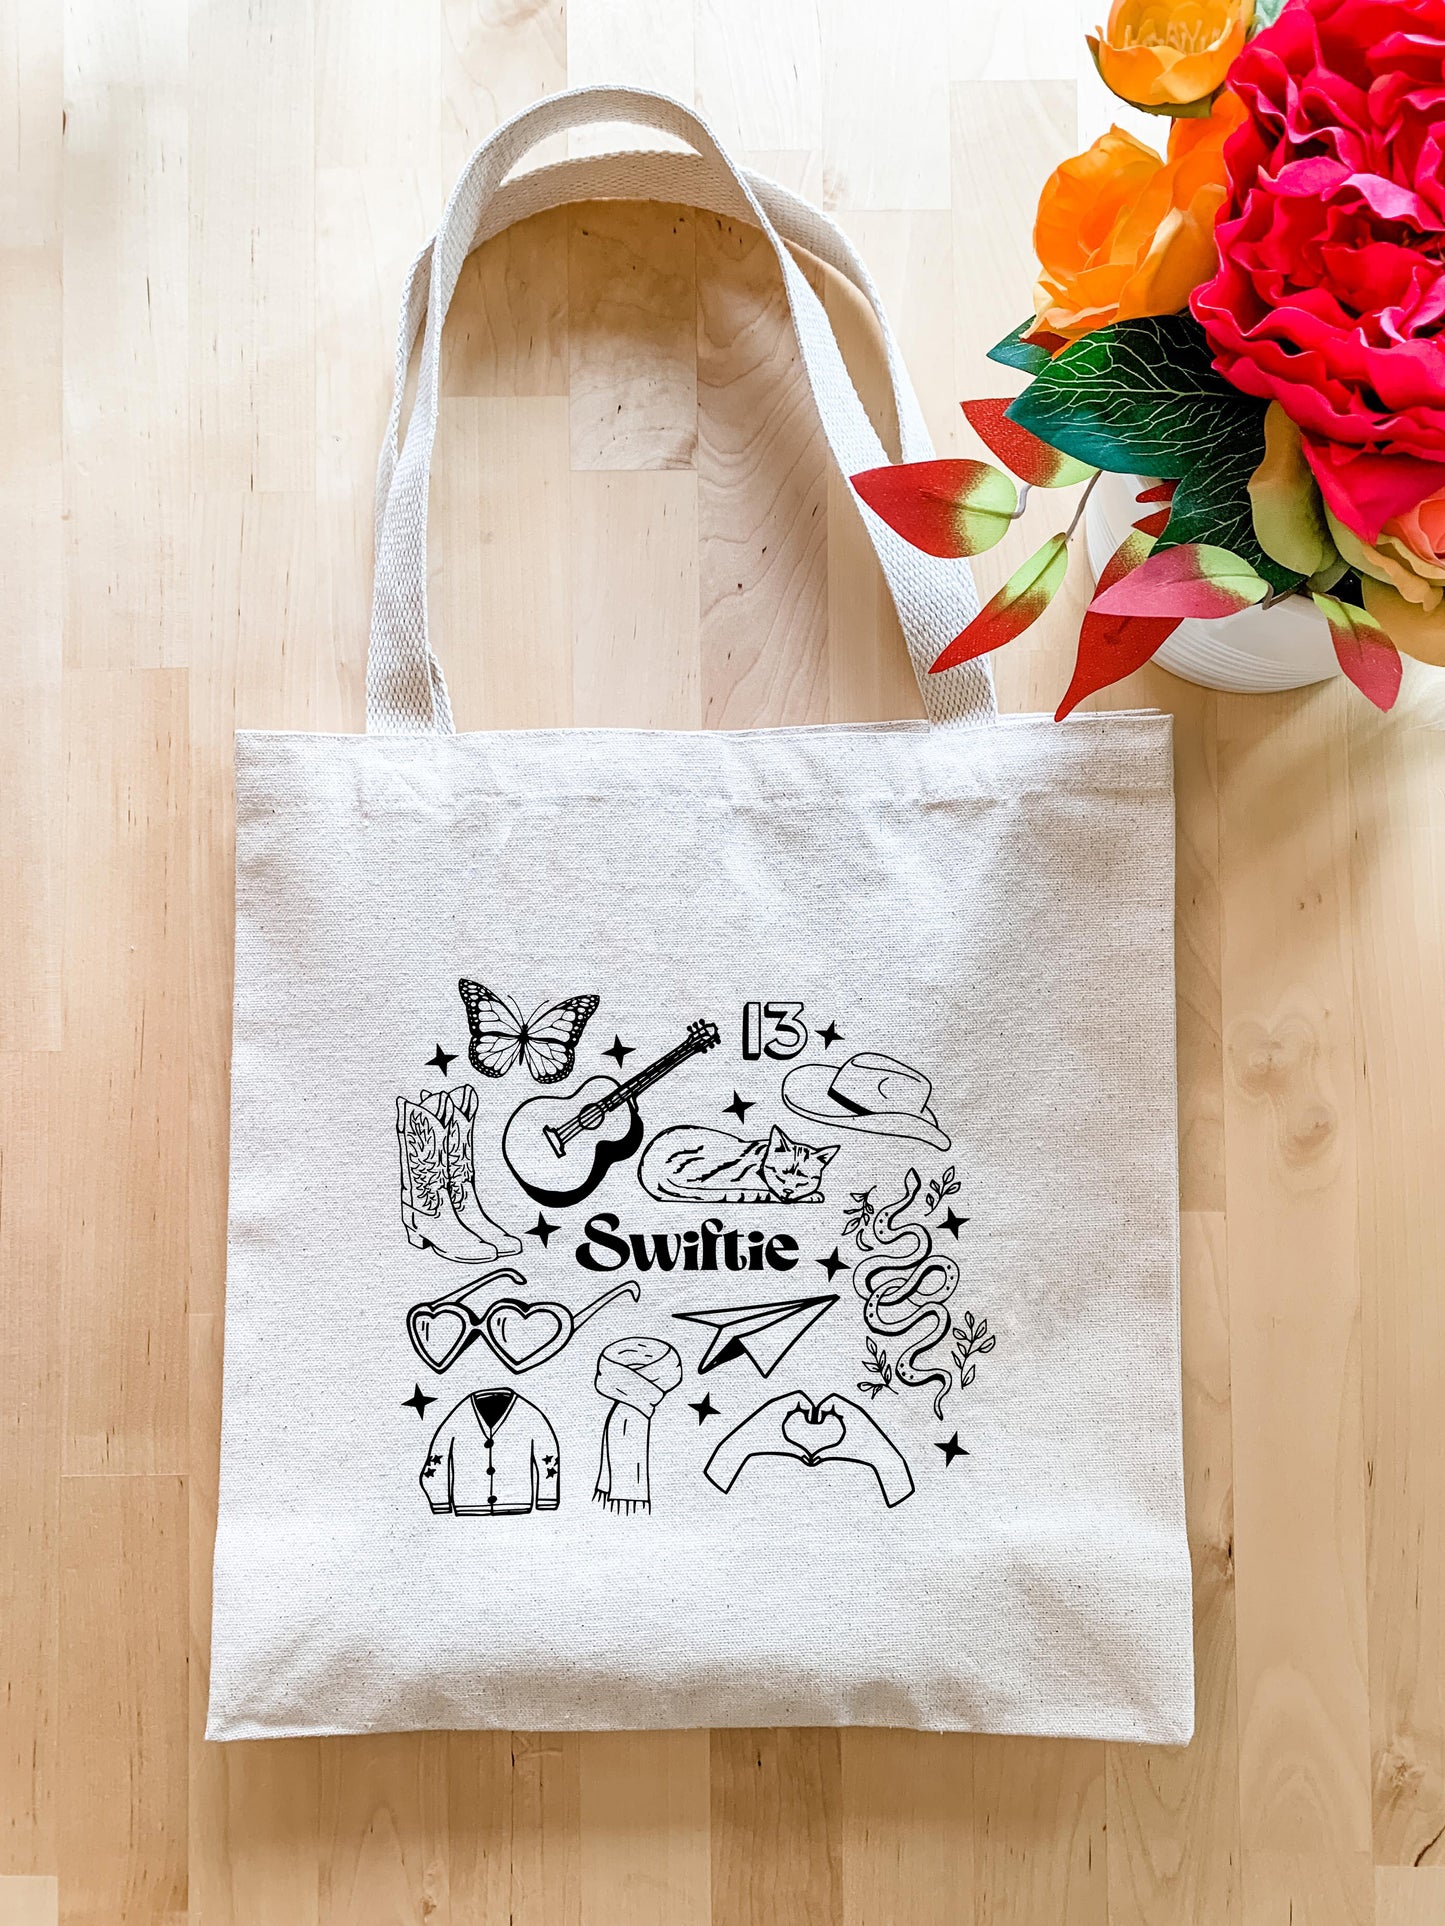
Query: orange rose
[[1402, 576], [1168, 54], [1121, 233]]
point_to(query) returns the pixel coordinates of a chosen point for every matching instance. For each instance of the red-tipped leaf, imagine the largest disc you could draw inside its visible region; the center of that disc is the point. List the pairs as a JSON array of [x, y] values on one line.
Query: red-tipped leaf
[[948, 508], [1364, 652], [1154, 524], [1113, 646], [1019, 449], [1019, 603], [1195, 579], [1160, 492]]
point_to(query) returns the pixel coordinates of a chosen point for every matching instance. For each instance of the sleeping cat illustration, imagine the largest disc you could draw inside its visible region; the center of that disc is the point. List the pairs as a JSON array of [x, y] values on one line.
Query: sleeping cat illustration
[[691, 1164]]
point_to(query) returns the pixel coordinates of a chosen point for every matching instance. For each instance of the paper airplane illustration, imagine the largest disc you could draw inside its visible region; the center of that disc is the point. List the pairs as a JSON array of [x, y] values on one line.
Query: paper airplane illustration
[[763, 1332]]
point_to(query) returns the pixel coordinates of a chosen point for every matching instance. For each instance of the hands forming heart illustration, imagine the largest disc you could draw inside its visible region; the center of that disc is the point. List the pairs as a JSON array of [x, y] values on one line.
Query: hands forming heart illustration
[[521, 1335], [817, 1431]]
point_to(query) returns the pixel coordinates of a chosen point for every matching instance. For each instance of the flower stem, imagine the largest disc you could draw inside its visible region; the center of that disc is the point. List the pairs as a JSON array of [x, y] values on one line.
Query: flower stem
[[1083, 503]]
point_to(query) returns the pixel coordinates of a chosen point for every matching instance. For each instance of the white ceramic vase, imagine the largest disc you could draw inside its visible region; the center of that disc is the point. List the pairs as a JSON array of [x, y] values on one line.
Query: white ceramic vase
[[1283, 647]]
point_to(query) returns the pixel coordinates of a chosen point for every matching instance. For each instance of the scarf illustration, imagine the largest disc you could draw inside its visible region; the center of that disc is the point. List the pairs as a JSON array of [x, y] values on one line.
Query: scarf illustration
[[636, 1373]]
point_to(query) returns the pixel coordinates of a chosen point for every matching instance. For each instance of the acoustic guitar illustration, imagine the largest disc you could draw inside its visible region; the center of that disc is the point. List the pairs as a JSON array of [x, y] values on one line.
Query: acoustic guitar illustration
[[560, 1148]]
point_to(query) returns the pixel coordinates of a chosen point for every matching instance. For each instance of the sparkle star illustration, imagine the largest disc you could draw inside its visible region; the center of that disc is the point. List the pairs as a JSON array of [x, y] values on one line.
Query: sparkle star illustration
[[951, 1449], [619, 1052], [953, 1222], [704, 1407], [439, 1059], [542, 1230], [418, 1401], [828, 1035], [832, 1263], [739, 1107]]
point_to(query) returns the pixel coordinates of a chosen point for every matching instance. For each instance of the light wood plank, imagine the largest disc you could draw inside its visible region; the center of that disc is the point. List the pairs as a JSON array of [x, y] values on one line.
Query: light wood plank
[[1399, 941], [29, 1899], [503, 595], [633, 325], [777, 1817], [1174, 1847], [1290, 1157], [122, 1074], [253, 225], [762, 497], [121, 1785], [635, 601], [645, 1840], [31, 1415], [907, 1848], [125, 255]]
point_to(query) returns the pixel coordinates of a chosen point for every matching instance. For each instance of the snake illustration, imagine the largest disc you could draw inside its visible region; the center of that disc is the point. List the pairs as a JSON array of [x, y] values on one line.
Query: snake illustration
[[904, 1287]]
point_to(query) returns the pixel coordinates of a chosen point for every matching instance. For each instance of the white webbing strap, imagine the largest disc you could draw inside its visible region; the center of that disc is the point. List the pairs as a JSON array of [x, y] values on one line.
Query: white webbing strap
[[406, 692]]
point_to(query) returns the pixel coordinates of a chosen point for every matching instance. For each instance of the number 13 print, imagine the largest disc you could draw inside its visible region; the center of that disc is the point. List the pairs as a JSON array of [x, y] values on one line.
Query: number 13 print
[[773, 1030]]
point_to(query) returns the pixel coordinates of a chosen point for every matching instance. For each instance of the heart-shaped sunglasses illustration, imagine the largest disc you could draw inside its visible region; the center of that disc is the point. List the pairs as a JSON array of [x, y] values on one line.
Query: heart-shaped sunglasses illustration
[[522, 1335]]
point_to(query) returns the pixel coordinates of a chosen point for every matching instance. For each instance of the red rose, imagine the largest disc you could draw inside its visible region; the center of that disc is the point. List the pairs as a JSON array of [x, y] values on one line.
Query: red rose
[[1330, 293]]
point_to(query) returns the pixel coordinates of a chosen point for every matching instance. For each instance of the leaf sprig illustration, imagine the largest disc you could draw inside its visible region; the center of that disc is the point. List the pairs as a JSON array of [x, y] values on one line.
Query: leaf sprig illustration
[[972, 1340], [945, 1186], [859, 1212], [880, 1370]]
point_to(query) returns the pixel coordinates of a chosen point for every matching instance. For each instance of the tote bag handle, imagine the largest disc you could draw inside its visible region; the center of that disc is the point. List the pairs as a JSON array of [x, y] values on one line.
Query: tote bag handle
[[406, 691]]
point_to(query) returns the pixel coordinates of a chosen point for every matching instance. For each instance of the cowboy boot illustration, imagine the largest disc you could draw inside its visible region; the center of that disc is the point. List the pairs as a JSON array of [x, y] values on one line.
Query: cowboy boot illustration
[[456, 1110], [426, 1206]]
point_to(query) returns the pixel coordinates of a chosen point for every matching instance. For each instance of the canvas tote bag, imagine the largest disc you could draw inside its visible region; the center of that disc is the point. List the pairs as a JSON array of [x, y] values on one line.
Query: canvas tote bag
[[703, 1231]]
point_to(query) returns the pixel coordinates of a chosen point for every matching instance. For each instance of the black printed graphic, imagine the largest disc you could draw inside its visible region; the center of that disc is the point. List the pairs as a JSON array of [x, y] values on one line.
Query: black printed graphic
[[762, 1333], [441, 1059], [773, 1030], [560, 1148], [494, 1455], [418, 1401], [542, 1230], [619, 1051], [940, 1187], [440, 1208], [526, 1335], [695, 1164], [952, 1222], [825, 1431], [739, 1107], [832, 1263], [829, 1034], [636, 1373], [951, 1449], [521, 1334], [972, 1339], [704, 1407], [868, 1092], [905, 1287], [442, 1329], [546, 1041]]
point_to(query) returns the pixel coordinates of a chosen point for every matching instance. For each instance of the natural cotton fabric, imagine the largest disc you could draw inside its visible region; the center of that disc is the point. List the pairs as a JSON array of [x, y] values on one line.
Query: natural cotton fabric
[[962, 929]]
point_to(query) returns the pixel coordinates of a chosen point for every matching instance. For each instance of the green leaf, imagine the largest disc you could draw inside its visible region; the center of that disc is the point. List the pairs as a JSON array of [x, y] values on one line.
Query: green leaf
[[1284, 497], [1192, 580], [1266, 12], [1364, 651], [1014, 352], [1142, 398], [1017, 605]]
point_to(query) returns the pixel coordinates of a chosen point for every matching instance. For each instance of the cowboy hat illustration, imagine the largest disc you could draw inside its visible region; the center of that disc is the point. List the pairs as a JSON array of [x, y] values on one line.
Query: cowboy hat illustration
[[868, 1092]]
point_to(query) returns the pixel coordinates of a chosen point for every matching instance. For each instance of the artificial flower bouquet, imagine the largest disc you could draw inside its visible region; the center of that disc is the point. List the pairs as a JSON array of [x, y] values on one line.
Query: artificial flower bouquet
[[1255, 322]]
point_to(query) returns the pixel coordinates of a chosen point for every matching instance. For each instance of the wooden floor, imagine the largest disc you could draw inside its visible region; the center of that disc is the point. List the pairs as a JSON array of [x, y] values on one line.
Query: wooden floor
[[204, 216]]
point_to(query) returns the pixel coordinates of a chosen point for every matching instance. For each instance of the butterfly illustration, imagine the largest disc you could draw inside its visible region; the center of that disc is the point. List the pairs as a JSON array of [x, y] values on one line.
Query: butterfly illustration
[[546, 1042]]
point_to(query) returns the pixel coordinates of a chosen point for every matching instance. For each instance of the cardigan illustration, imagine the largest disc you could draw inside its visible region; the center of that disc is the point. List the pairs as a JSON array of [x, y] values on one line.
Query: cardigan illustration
[[493, 1454]]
